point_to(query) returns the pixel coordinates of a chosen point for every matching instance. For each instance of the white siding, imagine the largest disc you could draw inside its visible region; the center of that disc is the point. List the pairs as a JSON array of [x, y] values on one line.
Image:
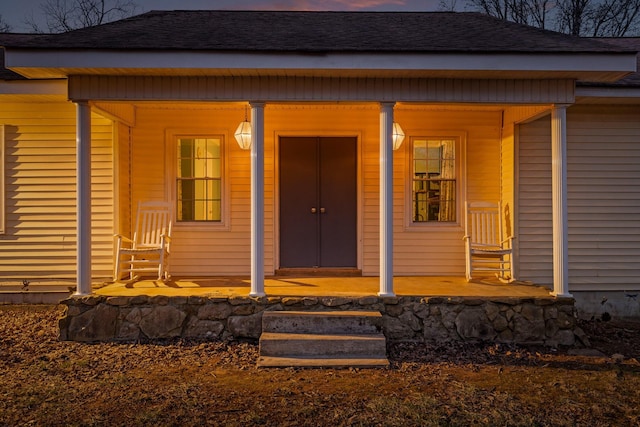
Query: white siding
[[225, 250], [534, 239], [603, 199], [438, 249], [40, 199]]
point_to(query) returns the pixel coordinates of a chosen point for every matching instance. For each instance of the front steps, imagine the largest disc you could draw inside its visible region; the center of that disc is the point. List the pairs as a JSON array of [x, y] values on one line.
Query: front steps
[[334, 339]]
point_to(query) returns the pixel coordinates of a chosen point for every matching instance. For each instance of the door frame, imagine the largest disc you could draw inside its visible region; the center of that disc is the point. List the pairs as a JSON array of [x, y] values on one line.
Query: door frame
[[276, 207]]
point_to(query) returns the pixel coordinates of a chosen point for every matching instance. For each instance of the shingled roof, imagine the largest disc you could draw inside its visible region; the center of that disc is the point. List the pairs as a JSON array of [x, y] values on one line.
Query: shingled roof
[[277, 31]]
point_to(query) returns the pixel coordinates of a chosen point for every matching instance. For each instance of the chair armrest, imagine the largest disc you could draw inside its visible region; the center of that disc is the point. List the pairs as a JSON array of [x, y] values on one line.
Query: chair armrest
[[508, 240], [121, 238]]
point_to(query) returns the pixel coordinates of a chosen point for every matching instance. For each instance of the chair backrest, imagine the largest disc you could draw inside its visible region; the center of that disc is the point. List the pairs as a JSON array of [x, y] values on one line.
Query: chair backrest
[[484, 223], [153, 220]]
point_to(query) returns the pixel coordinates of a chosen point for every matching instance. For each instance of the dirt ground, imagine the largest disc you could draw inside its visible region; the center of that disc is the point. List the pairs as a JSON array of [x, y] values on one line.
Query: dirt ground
[[48, 382]]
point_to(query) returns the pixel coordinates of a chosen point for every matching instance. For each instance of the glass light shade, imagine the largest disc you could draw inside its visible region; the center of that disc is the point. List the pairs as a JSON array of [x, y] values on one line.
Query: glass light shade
[[243, 135], [397, 135]]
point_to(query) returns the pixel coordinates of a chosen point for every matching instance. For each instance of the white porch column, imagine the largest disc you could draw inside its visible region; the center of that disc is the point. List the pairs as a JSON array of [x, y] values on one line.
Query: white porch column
[[386, 199], [559, 203], [83, 190], [257, 199]]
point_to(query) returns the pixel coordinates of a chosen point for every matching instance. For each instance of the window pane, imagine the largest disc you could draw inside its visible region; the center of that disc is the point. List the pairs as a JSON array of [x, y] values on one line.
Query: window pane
[[199, 185], [434, 185]]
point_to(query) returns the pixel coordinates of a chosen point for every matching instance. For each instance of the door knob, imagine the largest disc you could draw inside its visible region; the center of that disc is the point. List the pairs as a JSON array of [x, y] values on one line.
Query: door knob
[[322, 210], [314, 210]]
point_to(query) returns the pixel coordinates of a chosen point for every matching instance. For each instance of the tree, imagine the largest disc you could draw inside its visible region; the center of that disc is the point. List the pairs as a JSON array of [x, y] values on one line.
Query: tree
[[4, 27], [67, 15], [594, 18]]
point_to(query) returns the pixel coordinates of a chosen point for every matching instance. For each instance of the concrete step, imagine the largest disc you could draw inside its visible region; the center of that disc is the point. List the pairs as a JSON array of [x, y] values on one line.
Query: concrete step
[[310, 345], [322, 362], [322, 322]]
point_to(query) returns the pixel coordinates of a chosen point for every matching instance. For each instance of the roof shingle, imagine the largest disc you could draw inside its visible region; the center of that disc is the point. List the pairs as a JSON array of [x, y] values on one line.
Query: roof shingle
[[317, 32]]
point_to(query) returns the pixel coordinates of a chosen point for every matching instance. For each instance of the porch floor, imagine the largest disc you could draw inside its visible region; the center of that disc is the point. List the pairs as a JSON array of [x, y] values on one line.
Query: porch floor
[[326, 286]]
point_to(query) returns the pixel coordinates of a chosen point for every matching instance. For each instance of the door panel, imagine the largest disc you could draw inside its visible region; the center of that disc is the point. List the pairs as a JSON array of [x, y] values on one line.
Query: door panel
[[338, 197], [318, 209], [298, 195]]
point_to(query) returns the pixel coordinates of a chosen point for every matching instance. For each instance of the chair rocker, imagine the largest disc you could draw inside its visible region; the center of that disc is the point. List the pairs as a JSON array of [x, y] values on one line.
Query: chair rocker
[[486, 249], [148, 252]]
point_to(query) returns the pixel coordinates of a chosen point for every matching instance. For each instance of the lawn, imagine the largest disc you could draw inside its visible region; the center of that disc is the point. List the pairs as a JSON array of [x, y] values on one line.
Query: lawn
[[48, 382]]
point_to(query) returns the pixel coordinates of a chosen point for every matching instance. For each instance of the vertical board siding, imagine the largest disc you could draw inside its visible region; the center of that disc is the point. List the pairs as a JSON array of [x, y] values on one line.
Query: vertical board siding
[[603, 169], [40, 198]]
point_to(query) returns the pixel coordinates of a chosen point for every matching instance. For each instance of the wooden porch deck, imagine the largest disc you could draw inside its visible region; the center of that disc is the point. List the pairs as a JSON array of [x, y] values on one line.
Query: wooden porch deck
[[326, 286]]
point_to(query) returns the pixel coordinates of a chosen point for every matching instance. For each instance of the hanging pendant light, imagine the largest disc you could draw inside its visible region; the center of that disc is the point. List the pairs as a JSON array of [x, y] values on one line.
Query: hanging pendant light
[[397, 135], [243, 133]]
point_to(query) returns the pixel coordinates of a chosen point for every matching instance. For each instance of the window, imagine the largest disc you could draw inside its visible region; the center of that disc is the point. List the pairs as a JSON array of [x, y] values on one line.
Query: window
[[434, 180], [199, 179]]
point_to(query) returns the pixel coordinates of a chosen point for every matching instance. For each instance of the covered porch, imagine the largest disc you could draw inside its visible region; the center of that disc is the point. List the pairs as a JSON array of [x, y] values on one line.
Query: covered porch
[[423, 309], [324, 286]]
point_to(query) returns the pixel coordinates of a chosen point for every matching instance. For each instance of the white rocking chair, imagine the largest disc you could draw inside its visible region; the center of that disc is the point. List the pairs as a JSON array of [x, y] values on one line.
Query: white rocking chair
[[148, 251], [486, 249]]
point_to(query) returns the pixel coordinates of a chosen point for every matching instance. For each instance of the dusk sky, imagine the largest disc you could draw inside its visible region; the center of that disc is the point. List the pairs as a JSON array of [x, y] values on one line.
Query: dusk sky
[[15, 12]]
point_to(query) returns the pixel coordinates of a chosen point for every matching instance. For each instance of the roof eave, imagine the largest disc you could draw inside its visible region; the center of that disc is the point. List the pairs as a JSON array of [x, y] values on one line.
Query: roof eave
[[595, 66]]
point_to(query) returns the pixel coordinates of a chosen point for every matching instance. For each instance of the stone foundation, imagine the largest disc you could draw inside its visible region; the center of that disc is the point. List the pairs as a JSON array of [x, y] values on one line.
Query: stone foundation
[[550, 321]]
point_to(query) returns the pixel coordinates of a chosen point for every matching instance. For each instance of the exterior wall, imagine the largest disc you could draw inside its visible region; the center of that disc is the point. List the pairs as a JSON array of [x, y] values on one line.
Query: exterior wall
[[123, 179], [603, 198], [40, 199], [438, 249], [511, 118], [224, 249]]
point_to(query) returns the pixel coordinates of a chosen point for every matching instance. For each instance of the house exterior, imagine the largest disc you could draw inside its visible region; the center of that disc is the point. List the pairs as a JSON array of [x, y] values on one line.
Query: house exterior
[[98, 119]]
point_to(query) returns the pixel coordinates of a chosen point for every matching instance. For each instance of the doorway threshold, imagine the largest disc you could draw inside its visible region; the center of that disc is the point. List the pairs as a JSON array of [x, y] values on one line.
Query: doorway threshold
[[319, 272]]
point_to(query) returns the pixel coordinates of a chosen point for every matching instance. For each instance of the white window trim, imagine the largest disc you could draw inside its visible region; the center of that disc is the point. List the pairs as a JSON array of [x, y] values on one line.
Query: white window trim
[[171, 139], [461, 180]]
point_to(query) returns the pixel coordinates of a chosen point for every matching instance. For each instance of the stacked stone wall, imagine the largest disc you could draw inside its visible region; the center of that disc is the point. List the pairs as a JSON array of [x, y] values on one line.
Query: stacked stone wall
[[548, 321]]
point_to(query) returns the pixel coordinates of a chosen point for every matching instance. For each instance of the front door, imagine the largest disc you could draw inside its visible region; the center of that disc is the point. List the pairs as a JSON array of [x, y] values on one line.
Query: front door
[[318, 202]]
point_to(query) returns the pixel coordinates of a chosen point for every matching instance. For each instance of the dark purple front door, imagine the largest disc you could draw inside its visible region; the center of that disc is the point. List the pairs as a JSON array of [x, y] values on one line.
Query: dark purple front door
[[318, 198]]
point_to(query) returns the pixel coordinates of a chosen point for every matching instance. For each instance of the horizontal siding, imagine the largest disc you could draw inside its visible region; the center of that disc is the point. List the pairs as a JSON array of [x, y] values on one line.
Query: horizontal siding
[[603, 172], [438, 249], [203, 250], [40, 199], [534, 239], [604, 197]]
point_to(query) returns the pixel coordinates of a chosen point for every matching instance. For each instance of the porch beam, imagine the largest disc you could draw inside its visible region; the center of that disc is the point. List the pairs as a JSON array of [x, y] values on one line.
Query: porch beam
[[257, 199], [386, 199], [83, 196], [307, 89], [559, 200]]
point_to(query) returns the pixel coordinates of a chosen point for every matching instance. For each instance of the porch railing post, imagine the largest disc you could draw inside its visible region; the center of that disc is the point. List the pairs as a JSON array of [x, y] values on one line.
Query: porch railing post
[[559, 200], [257, 199], [83, 197], [386, 199]]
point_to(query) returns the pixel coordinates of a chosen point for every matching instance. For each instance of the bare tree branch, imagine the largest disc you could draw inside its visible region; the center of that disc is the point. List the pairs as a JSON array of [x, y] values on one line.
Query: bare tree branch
[[612, 18], [67, 15], [4, 27]]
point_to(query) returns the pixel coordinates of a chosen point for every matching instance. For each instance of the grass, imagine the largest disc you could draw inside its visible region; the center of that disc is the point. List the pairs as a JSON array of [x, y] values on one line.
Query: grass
[[52, 383]]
